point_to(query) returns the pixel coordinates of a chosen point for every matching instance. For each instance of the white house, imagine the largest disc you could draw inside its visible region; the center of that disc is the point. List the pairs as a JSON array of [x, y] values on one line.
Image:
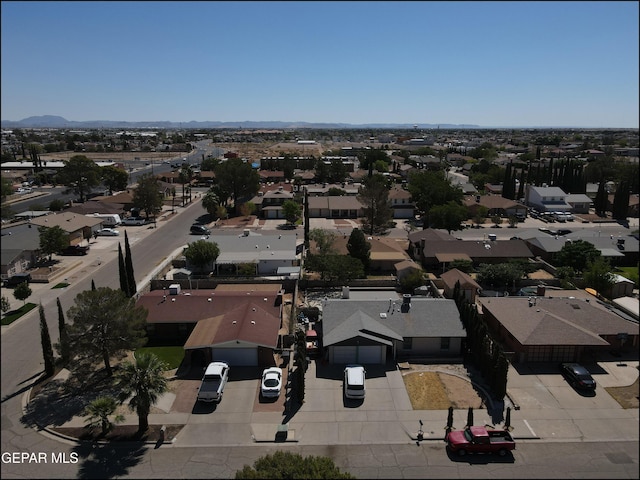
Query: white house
[[547, 199], [267, 253]]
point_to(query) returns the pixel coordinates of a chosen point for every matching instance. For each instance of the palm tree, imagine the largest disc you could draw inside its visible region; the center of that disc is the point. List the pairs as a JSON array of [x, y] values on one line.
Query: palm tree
[[99, 410], [144, 382], [184, 176]]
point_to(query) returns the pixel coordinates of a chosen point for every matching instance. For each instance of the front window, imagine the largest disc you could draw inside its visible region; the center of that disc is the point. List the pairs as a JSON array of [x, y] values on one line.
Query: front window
[[444, 343]]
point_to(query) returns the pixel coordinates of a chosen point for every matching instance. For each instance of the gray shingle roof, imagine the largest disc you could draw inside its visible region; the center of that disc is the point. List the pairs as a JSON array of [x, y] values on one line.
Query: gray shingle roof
[[344, 319]]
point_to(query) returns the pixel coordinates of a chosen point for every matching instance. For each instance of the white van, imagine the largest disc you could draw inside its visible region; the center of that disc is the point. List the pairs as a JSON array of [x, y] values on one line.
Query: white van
[[354, 376], [108, 220]]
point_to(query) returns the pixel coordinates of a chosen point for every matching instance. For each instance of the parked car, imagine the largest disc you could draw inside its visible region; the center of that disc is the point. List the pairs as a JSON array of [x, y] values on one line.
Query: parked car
[[578, 376], [199, 230], [17, 279], [354, 376], [108, 232], [76, 250], [480, 440], [271, 382], [134, 221], [215, 378]]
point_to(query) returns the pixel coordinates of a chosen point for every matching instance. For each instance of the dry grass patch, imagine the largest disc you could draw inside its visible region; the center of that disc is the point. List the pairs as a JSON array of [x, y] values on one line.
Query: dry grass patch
[[627, 396], [426, 391], [439, 391]]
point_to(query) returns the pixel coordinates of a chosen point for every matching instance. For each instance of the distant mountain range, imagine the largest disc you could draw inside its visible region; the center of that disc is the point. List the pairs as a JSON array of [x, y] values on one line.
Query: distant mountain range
[[54, 121]]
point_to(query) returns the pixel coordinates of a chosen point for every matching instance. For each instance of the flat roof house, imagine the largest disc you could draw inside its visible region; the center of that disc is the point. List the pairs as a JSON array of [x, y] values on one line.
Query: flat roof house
[[267, 252]]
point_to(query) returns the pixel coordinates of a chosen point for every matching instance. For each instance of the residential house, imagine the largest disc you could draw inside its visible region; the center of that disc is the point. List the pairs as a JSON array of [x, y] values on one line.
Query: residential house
[[546, 199], [425, 162], [238, 324], [618, 250], [401, 202], [274, 176], [266, 252], [385, 253], [269, 201], [96, 206], [580, 202], [381, 331], [495, 205], [124, 199], [405, 268], [542, 329], [20, 249], [322, 189], [436, 254], [493, 189], [79, 227], [468, 285], [344, 206]]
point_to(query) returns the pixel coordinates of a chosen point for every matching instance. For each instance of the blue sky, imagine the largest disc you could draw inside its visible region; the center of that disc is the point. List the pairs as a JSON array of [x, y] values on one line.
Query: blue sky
[[493, 64]]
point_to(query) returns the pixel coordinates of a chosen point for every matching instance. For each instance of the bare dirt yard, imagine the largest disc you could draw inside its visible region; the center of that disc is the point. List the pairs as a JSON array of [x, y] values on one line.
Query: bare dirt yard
[[627, 397], [439, 391]]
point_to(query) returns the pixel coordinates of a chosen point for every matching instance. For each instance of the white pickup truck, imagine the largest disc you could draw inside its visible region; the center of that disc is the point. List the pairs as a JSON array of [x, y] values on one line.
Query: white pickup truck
[[213, 382]]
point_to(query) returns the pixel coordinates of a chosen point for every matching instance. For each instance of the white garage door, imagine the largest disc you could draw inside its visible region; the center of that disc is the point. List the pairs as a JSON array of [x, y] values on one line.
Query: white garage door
[[239, 357], [352, 354]]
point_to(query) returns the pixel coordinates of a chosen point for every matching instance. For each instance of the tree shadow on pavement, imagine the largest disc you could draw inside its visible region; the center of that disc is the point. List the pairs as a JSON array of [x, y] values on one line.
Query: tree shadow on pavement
[[481, 458], [106, 460], [33, 381], [57, 401], [292, 403]]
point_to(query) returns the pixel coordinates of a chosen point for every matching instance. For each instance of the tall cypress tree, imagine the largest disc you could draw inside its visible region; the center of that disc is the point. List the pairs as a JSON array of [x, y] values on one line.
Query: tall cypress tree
[[63, 345], [621, 201], [506, 181], [122, 272], [306, 219], [128, 263], [47, 348], [93, 285], [600, 202]]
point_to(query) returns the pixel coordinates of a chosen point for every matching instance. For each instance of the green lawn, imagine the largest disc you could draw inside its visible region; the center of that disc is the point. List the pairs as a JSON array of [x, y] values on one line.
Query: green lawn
[[60, 285], [629, 272], [172, 356], [16, 314]]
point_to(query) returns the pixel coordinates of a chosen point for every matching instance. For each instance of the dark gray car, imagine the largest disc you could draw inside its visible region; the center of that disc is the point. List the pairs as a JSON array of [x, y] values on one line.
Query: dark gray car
[[578, 376], [199, 230]]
